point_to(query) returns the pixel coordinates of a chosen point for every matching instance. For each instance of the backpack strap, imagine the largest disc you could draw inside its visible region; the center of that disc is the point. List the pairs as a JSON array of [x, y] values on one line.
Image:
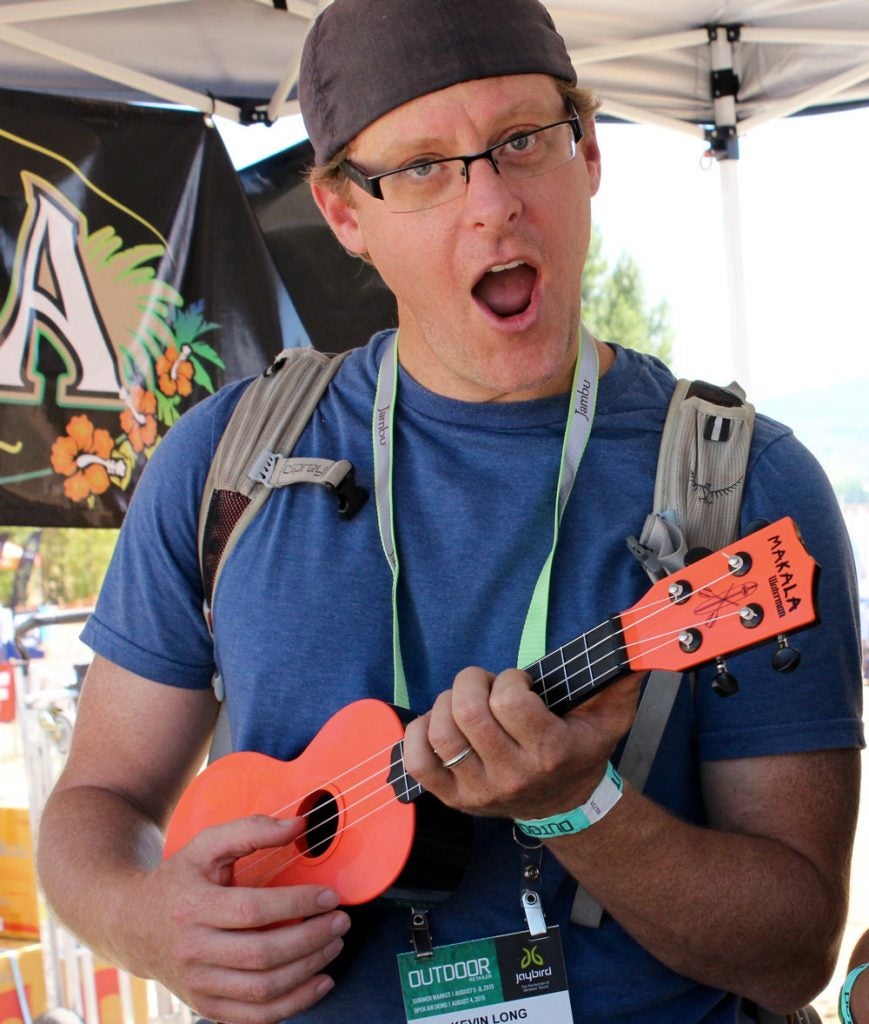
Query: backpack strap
[[701, 476], [252, 458], [701, 472]]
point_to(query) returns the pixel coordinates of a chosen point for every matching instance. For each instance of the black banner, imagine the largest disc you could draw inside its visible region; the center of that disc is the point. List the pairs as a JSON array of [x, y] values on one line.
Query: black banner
[[341, 300], [134, 281]]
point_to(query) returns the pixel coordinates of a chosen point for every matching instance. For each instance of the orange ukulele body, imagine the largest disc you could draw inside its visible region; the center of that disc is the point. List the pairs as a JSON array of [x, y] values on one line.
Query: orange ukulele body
[[365, 815]]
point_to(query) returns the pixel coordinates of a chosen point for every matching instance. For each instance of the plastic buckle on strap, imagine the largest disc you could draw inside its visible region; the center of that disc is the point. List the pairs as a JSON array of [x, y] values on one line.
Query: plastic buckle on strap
[[262, 468], [351, 497], [272, 470]]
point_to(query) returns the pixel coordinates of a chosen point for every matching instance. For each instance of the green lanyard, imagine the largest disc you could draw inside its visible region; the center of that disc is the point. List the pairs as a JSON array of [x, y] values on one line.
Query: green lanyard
[[532, 646]]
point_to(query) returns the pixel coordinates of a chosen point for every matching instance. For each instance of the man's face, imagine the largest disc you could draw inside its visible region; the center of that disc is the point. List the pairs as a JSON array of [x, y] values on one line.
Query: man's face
[[488, 284]]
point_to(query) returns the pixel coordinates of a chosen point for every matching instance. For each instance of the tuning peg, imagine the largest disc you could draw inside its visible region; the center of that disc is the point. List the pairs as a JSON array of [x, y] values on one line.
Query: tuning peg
[[724, 682], [786, 658], [740, 563]]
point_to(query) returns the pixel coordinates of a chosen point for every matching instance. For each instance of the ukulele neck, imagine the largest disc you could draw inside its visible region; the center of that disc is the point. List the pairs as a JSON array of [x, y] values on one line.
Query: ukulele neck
[[581, 668]]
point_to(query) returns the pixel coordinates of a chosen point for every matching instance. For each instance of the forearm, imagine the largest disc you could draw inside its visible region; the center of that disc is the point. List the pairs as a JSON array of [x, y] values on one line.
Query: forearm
[[95, 851], [749, 915]]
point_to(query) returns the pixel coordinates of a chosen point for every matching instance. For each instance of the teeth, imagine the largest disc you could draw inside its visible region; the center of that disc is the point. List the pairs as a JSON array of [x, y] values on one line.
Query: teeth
[[505, 266]]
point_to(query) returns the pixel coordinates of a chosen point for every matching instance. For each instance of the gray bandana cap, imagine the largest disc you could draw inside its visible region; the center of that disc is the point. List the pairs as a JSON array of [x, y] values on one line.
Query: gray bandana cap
[[363, 58]]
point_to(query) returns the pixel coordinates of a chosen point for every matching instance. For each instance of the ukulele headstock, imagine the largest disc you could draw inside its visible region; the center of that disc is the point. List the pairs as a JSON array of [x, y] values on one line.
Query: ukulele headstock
[[759, 587]]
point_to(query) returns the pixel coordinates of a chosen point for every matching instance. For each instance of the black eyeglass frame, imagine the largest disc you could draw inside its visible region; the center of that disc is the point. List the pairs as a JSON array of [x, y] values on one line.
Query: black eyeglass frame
[[370, 183]]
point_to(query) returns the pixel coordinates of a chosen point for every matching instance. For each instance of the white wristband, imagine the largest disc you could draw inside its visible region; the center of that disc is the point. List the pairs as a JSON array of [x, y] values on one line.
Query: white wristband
[[601, 802]]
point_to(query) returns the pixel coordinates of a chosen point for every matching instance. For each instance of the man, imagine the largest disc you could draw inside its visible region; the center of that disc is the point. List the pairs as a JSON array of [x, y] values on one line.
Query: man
[[724, 884]]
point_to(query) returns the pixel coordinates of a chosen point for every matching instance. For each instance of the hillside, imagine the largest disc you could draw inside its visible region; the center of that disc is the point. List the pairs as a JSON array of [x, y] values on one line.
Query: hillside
[[834, 423]]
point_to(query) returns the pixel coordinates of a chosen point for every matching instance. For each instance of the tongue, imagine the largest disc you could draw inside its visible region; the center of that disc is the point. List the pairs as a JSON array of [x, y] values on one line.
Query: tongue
[[507, 292]]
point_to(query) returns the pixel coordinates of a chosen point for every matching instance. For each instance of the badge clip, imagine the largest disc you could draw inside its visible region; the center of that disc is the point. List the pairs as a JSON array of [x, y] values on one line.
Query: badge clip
[[532, 870], [420, 934], [534, 916]]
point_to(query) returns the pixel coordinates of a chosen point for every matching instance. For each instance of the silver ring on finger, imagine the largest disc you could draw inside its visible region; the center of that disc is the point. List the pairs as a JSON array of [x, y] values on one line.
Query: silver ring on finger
[[462, 754]]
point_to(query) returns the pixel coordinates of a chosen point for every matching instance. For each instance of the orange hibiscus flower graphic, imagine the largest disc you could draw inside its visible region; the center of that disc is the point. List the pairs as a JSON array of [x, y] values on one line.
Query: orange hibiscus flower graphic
[[175, 371], [139, 420], [83, 456]]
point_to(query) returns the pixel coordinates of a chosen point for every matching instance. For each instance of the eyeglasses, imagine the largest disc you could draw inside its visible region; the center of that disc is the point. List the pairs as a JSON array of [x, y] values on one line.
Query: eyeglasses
[[420, 186]]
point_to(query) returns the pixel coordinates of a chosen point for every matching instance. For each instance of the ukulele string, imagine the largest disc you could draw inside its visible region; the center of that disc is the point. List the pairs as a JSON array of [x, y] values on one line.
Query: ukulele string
[[333, 782], [297, 856], [655, 608], [292, 859], [664, 638]]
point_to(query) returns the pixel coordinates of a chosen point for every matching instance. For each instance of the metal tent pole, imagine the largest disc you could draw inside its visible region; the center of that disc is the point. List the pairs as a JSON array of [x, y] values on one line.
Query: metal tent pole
[[724, 144]]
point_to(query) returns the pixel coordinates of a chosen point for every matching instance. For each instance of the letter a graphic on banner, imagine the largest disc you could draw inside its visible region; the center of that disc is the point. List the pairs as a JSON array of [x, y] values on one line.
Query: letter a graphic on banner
[[53, 298]]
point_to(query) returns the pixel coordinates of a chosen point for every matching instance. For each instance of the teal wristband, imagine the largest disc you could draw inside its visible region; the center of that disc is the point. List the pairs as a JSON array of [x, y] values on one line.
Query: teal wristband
[[845, 997], [601, 802]]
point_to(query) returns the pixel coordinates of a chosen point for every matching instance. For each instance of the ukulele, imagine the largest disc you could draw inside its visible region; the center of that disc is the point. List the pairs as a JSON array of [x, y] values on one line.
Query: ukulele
[[373, 831]]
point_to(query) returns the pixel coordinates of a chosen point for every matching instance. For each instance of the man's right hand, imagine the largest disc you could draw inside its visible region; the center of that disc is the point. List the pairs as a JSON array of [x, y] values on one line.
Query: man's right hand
[[247, 955], [233, 953]]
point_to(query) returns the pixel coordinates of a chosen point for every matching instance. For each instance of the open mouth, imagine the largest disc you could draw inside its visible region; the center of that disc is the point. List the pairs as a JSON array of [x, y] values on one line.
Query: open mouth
[[506, 289]]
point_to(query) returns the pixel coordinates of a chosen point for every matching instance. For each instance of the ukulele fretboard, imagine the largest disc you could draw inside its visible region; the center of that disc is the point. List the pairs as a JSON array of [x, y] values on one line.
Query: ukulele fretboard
[[570, 675]]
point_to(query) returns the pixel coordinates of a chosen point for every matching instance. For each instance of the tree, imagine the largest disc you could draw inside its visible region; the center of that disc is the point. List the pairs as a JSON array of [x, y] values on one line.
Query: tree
[[614, 305], [71, 566]]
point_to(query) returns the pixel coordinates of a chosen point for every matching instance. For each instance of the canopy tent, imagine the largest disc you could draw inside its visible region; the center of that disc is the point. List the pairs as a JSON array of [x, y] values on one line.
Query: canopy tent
[[672, 65], [715, 70]]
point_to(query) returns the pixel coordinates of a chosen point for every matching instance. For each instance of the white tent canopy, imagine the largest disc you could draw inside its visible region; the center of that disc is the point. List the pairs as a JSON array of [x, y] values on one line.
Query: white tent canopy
[[649, 64], [713, 69]]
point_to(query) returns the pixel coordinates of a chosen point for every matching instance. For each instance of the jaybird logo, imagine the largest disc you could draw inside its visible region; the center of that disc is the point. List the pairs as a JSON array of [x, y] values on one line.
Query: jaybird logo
[[529, 957]]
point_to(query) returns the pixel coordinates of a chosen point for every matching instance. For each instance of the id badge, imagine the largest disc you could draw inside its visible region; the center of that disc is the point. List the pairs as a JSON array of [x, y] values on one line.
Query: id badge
[[488, 981]]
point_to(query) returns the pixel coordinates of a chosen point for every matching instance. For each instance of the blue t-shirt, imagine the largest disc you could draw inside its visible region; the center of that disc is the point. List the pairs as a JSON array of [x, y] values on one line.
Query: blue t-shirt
[[303, 623]]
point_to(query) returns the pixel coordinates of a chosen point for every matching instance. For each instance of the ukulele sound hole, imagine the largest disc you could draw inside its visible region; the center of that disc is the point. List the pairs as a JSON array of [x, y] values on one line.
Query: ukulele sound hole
[[321, 812]]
